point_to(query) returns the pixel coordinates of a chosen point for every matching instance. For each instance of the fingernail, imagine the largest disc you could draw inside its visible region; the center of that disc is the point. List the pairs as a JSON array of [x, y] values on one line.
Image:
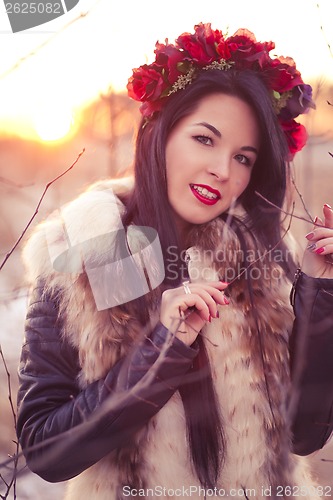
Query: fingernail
[[328, 206], [226, 301], [224, 282], [311, 247], [217, 314], [315, 221], [210, 319], [309, 236], [320, 250]]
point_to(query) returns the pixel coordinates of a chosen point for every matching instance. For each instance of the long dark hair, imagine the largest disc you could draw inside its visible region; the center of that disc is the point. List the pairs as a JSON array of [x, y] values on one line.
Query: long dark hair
[[148, 205]]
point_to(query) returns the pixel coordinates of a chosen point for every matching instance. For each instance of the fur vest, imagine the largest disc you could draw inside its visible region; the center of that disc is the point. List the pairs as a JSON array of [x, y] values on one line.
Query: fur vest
[[247, 347]]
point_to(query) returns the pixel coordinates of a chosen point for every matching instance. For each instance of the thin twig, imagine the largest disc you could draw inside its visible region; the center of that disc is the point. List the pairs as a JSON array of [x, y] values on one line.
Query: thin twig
[[10, 183], [12, 482], [323, 31], [37, 208], [302, 199], [285, 212], [267, 252], [68, 438], [16, 293]]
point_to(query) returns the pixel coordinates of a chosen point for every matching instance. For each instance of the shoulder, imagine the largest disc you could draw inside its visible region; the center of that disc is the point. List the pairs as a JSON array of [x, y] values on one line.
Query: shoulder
[[97, 211]]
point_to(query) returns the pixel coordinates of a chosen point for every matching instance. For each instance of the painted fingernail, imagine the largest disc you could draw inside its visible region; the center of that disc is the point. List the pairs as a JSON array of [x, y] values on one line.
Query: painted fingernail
[[320, 250], [311, 247], [210, 319], [226, 301], [309, 236], [328, 206], [224, 282], [217, 314]]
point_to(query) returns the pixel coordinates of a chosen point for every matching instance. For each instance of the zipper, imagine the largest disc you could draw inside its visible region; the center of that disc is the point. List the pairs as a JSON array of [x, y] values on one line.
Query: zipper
[[293, 289]]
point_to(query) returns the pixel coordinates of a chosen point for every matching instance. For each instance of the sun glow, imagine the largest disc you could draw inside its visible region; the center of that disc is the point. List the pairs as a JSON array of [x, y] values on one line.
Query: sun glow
[[53, 122]]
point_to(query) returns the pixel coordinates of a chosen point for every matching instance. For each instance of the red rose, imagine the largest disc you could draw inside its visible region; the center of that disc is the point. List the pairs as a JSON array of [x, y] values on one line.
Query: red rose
[[223, 50], [281, 74], [168, 57], [146, 83], [296, 136], [246, 51], [148, 108], [202, 45]]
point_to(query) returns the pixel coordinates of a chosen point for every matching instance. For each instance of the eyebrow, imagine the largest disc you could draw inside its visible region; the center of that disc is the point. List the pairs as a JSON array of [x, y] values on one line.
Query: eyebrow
[[218, 134], [211, 128], [250, 149]]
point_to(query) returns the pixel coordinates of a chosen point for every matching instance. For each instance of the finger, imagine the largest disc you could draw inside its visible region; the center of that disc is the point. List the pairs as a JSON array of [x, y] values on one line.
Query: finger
[[193, 300], [217, 285], [328, 214], [207, 299], [321, 246], [318, 223], [319, 234], [212, 296]]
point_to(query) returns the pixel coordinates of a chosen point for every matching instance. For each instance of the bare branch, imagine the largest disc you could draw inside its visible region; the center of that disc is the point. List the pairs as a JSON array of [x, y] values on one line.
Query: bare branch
[[12, 481], [284, 211], [37, 208], [267, 252], [323, 31], [14, 184], [302, 199], [14, 294], [68, 438]]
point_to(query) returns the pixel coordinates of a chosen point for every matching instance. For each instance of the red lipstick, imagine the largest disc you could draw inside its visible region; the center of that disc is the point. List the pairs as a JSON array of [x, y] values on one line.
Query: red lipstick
[[200, 191]]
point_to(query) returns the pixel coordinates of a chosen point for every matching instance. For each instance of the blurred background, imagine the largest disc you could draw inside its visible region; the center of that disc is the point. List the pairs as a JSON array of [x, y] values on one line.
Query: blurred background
[[62, 91]]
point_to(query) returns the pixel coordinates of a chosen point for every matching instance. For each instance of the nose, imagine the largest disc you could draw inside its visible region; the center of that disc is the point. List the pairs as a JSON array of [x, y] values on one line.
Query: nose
[[220, 168]]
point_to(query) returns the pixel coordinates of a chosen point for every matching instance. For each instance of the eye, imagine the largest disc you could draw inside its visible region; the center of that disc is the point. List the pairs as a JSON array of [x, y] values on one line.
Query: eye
[[244, 160], [203, 139]]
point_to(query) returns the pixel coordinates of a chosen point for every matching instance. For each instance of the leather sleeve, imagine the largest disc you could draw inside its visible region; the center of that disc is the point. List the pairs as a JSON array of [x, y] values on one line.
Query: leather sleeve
[[64, 430], [312, 363]]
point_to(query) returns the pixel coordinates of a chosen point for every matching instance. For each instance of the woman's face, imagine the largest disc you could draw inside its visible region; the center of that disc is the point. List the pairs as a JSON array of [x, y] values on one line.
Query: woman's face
[[209, 158]]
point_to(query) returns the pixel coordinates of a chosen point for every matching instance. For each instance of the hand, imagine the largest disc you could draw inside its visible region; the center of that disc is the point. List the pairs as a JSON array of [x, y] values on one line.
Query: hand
[[184, 314], [318, 256]]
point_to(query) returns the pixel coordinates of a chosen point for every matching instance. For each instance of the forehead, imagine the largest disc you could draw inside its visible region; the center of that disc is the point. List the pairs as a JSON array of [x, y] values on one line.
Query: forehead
[[230, 115]]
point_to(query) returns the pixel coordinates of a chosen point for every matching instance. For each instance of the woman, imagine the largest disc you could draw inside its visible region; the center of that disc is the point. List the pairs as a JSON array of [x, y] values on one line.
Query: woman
[[185, 389]]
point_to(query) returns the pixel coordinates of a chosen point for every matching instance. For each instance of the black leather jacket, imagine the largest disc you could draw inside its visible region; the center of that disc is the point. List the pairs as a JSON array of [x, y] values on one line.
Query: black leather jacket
[[50, 402]]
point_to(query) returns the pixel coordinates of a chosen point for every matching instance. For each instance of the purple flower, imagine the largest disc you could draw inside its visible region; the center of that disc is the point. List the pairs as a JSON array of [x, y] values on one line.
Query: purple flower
[[299, 102]]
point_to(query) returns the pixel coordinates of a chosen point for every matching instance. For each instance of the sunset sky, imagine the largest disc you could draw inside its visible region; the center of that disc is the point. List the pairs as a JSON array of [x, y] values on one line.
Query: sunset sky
[[100, 49]]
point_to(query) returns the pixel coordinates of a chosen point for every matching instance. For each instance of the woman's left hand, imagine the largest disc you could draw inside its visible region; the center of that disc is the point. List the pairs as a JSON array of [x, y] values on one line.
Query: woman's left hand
[[318, 256]]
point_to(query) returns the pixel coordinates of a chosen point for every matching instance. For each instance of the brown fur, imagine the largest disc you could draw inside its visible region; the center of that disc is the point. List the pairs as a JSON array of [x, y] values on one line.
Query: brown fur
[[248, 351]]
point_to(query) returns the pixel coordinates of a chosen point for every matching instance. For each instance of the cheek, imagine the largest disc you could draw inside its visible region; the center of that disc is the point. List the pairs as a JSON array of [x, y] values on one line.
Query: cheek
[[171, 165], [242, 182]]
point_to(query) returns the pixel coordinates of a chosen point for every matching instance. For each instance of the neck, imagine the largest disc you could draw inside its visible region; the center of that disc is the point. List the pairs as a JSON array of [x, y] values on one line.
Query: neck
[[183, 228]]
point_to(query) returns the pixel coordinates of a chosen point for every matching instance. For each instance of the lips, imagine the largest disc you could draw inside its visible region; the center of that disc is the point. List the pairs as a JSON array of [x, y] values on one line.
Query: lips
[[205, 194]]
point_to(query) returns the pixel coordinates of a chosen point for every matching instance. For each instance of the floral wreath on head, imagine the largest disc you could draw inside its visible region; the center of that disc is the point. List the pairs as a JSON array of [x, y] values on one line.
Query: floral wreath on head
[[177, 65]]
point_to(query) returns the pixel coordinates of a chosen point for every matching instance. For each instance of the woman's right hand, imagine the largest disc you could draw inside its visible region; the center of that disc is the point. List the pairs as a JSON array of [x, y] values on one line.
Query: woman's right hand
[[184, 314]]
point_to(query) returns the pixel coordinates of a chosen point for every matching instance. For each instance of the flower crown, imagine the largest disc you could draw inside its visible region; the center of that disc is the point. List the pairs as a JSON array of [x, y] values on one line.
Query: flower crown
[[177, 66]]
